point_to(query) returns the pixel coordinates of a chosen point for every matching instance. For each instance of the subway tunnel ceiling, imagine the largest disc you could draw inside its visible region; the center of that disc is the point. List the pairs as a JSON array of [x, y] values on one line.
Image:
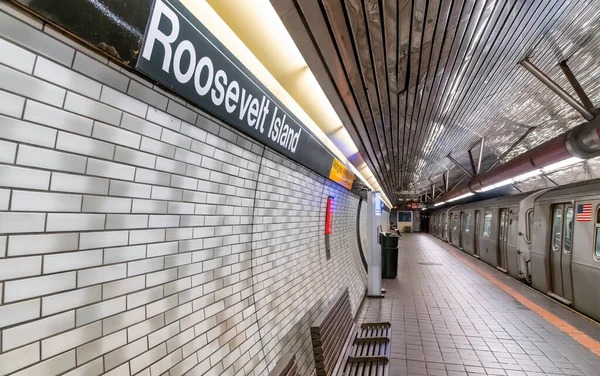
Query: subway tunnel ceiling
[[421, 79]]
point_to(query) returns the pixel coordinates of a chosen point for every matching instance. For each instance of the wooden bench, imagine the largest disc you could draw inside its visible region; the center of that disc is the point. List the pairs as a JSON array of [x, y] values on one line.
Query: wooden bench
[[341, 347], [285, 366]]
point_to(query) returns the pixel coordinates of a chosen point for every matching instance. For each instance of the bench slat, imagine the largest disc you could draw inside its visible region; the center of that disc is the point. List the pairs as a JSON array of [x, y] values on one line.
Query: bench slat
[[367, 359], [342, 348], [371, 339], [368, 325]]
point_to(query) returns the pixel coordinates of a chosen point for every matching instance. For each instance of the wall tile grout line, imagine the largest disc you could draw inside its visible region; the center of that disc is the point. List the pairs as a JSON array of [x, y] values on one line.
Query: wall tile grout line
[[245, 264]]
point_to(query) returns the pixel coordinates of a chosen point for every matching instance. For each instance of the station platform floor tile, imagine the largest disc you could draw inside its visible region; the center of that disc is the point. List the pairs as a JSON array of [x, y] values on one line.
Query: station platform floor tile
[[448, 319]]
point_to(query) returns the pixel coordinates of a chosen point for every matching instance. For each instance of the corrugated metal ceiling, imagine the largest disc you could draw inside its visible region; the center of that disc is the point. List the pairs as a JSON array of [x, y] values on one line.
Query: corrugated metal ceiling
[[429, 78]]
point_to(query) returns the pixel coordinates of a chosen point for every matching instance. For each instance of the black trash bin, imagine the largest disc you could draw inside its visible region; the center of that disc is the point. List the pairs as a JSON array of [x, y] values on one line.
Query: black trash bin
[[389, 254]]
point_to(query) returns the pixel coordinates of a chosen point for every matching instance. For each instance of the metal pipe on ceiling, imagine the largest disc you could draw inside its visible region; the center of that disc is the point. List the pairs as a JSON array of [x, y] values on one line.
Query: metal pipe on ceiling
[[557, 89], [583, 142]]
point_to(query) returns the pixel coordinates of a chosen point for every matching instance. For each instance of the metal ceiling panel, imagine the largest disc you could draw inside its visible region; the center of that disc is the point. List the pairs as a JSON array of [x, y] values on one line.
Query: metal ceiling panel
[[431, 77]]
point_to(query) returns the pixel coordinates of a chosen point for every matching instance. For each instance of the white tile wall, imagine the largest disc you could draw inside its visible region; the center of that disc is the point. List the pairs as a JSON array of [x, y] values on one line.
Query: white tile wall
[[139, 236]]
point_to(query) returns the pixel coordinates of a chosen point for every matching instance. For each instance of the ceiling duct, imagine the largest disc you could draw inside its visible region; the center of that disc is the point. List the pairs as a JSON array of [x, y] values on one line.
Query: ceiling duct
[[581, 142]]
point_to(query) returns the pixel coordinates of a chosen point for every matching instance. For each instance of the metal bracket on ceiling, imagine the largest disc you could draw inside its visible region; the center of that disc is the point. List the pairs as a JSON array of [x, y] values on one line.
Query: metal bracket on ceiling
[[511, 148], [480, 156], [586, 170], [562, 93], [472, 162], [460, 166], [445, 179], [426, 197], [585, 100], [460, 181], [550, 180], [433, 187]]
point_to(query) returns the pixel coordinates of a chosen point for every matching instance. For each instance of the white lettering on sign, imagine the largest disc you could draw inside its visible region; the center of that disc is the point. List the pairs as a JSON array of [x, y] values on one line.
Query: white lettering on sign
[[191, 68]]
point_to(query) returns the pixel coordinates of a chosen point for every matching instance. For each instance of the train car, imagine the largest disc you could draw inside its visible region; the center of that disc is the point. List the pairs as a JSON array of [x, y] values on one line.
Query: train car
[[489, 230], [549, 239], [566, 246]]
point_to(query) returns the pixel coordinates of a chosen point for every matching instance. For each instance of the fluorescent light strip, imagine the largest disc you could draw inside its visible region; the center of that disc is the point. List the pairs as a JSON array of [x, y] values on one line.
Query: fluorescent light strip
[[544, 170], [528, 175], [439, 203], [561, 164], [290, 68], [468, 194]]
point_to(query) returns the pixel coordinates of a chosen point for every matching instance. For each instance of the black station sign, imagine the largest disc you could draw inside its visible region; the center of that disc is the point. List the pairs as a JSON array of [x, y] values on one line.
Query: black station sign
[[179, 52]]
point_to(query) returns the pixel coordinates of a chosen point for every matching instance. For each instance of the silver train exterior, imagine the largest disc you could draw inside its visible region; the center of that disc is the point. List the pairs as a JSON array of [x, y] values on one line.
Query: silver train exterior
[[549, 239]]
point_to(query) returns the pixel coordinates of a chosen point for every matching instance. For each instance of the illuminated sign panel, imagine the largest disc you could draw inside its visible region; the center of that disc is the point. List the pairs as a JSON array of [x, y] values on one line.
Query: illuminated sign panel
[[329, 216], [341, 175]]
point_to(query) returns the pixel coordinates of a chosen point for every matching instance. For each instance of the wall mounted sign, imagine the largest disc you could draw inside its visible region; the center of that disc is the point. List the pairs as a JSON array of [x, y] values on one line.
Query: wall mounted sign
[[340, 174], [183, 55]]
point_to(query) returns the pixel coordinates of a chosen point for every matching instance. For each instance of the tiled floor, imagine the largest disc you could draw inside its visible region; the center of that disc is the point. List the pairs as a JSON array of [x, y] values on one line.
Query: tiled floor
[[449, 320]]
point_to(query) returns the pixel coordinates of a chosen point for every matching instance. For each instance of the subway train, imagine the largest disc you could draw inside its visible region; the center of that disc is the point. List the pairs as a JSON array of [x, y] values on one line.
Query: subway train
[[549, 239]]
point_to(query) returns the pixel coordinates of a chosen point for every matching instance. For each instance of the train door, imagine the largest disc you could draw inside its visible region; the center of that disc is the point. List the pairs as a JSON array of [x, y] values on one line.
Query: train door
[[560, 252], [444, 226], [450, 227], [476, 233], [461, 228], [503, 239]]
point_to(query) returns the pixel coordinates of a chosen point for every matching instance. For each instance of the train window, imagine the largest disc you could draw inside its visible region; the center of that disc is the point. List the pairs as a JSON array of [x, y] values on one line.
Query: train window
[[468, 223], [557, 224], [529, 225], [598, 233], [454, 222], [487, 224], [568, 230]]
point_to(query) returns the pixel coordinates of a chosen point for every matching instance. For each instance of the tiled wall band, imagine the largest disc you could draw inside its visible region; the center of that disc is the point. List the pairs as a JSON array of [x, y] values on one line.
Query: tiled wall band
[[148, 236]]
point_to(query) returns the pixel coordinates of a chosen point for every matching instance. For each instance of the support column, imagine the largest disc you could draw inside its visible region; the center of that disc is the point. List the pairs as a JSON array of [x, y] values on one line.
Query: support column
[[374, 261]]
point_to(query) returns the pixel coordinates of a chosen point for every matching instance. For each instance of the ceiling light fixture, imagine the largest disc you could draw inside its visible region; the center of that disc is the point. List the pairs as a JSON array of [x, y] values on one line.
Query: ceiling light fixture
[[485, 189], [561, 164], [439, 203], [527, 175], [544, 170], [264, 40], [468, 194]]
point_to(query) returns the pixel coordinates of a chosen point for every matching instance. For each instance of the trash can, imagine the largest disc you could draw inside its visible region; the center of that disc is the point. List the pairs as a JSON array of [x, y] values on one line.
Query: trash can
[[389, 254]]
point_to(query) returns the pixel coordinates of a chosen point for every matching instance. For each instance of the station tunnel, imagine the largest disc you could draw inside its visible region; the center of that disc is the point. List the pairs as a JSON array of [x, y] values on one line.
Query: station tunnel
[[299, 187]]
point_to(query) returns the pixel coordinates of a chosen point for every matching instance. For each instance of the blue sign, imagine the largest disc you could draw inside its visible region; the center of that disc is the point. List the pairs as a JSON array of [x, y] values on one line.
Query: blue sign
[[377, 203]]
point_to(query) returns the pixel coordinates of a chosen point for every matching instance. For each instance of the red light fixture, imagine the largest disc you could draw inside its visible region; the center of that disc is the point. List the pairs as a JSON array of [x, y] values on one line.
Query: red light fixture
[[329, 215]]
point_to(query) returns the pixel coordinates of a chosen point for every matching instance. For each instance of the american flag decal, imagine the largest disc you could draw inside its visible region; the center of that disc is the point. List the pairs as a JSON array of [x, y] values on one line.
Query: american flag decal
[[584, 213]]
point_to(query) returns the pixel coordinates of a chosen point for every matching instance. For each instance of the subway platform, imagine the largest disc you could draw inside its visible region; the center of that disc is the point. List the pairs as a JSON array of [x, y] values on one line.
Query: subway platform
[[454, 315]]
